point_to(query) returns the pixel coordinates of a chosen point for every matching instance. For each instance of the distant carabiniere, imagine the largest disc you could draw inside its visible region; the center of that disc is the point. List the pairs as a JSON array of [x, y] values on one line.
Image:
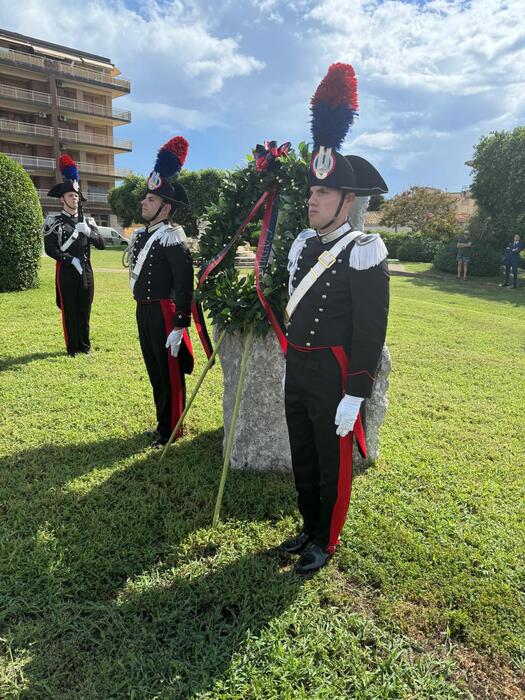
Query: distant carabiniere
[[68, 238]]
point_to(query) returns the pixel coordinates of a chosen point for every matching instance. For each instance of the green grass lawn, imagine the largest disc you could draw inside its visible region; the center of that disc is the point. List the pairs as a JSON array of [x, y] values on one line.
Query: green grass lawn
[[114, 585]]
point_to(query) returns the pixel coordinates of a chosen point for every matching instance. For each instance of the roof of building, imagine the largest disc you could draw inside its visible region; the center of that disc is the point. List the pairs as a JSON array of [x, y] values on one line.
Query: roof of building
[[38, 43]]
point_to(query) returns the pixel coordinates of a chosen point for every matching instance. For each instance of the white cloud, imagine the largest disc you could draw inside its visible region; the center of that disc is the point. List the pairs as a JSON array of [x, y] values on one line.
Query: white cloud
[[166, 47], [176, 118]]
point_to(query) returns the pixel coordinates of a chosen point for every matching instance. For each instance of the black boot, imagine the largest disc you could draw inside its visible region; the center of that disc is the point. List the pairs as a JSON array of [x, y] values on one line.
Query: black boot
[[295, 545], [312, 559]]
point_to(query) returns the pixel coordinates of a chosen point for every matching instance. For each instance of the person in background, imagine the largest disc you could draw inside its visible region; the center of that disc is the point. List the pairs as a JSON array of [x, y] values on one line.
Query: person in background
[[512, 260], [464, 246]]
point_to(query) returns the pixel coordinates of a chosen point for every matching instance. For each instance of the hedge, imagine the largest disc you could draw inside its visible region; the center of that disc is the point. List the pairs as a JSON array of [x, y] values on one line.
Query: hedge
[[21, 223], [485, 261]]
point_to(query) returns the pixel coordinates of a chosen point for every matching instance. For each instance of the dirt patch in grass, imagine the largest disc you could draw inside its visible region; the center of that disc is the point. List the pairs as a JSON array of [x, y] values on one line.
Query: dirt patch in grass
[[488, 678]]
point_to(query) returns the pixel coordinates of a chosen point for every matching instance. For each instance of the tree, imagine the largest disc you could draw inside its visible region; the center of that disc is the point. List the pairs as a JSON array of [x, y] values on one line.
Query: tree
[[202, 187], [125, 199], [423, 209], [499, 182], [376, 200], [21, 223]]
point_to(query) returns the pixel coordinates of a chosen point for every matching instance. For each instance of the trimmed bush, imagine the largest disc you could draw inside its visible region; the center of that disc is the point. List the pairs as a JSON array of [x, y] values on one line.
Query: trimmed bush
[[445, 258], [417, 249], [21, 223], [484, 261], [392, 241]]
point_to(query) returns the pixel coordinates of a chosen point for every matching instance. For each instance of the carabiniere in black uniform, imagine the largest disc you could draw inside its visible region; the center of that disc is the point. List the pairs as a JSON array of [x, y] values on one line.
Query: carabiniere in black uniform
[[74, 275], [163, 292], [161, 278], [338, 309]]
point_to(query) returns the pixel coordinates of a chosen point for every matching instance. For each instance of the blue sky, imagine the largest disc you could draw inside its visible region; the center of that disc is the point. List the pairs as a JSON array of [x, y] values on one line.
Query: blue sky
[[432, 77]]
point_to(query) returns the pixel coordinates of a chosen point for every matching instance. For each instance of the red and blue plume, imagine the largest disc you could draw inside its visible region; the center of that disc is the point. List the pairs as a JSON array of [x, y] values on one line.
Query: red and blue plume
[[68, 167], [171, 156], [334, 106]]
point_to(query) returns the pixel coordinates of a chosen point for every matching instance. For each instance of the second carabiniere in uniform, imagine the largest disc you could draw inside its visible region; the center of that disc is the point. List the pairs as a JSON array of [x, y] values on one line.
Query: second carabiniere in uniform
[[161, 279]]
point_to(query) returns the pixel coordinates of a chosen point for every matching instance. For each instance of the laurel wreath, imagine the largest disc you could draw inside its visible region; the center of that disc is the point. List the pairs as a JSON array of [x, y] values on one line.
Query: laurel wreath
[[229, 295]]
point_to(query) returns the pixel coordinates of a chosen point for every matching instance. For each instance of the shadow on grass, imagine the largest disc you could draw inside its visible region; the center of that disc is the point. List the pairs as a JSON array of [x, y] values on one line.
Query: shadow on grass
[[13, 362], [90, 585], [478, 288]]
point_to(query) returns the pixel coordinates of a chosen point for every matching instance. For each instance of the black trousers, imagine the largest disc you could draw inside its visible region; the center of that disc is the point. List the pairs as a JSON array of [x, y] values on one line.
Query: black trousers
[[322, 462], [74, 299], [167, 380], [514, 267]]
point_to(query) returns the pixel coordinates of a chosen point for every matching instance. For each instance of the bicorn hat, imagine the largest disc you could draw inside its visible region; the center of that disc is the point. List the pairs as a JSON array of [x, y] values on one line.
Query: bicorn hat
[[334, 107], [70, 182], [170, 159]]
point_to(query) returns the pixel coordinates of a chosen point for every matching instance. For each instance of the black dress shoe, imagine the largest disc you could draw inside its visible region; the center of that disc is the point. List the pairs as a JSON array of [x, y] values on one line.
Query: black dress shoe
[[295, 545], [71, 353], [312, 559], [159, 443]]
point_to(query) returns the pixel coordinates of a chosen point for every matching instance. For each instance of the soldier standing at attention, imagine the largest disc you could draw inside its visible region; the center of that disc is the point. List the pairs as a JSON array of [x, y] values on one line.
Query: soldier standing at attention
[[68, 239], [161, 279], [338, 308]]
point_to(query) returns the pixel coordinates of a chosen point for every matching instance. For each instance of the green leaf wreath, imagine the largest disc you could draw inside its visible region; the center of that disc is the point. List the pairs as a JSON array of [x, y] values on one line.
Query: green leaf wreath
[[228, 294]]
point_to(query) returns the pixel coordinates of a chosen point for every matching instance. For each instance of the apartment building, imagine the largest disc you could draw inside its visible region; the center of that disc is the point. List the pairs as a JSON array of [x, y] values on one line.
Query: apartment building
[[54, 100]]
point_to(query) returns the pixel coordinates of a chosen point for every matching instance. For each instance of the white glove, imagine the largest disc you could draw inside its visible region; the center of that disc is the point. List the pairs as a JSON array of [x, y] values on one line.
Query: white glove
[[76, 264], [82, 227], [346, 414], [174, 340]]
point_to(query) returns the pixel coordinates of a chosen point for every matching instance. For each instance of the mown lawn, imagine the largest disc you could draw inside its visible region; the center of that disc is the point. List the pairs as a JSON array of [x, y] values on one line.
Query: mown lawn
[[114, 585]]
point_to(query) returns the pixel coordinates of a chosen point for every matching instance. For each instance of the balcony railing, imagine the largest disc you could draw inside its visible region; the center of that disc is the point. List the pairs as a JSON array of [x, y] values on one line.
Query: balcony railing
[[26, 60], [94, 198], [39, 163], [90, 108], [42, 98], [15, 93], [13, 127], [94, 139]]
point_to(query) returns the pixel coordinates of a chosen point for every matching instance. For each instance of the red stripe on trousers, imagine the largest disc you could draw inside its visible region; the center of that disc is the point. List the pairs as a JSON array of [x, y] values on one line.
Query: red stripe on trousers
[[344, 481], [57, 282], [168, 311]]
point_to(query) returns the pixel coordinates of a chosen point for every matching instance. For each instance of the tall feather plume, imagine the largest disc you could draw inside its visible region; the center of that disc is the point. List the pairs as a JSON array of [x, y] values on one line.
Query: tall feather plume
[[334, 106], [171, 156], [68, 167]]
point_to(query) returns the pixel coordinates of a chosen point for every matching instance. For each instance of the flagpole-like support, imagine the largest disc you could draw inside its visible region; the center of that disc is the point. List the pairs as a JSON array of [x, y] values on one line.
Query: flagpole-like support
[[233, 423], [194, 393]]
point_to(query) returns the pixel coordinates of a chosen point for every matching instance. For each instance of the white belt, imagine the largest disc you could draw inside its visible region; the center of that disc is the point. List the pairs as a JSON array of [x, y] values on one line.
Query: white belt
[[69, 241], [324, 261]]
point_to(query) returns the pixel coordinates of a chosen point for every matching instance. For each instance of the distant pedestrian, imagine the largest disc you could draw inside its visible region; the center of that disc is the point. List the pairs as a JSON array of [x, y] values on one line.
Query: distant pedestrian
[[464, 246], [512, 259]]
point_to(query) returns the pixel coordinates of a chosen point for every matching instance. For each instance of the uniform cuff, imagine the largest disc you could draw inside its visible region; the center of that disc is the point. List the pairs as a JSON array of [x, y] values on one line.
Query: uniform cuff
[[360, 383], [181, 320]]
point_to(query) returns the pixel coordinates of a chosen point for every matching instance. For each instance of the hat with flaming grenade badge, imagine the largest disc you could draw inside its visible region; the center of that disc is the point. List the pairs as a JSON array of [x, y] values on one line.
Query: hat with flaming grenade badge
[[170, 159], [334, 107], [70, 182]]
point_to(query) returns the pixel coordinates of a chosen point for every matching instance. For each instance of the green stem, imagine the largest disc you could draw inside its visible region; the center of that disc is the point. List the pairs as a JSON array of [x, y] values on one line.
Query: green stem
[[194, 394], [233, 424]]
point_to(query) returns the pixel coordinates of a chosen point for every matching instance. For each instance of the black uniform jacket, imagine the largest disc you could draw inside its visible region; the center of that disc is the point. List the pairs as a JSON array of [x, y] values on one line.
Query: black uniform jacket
[[167, 272], [58, 228], [344, 307]]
